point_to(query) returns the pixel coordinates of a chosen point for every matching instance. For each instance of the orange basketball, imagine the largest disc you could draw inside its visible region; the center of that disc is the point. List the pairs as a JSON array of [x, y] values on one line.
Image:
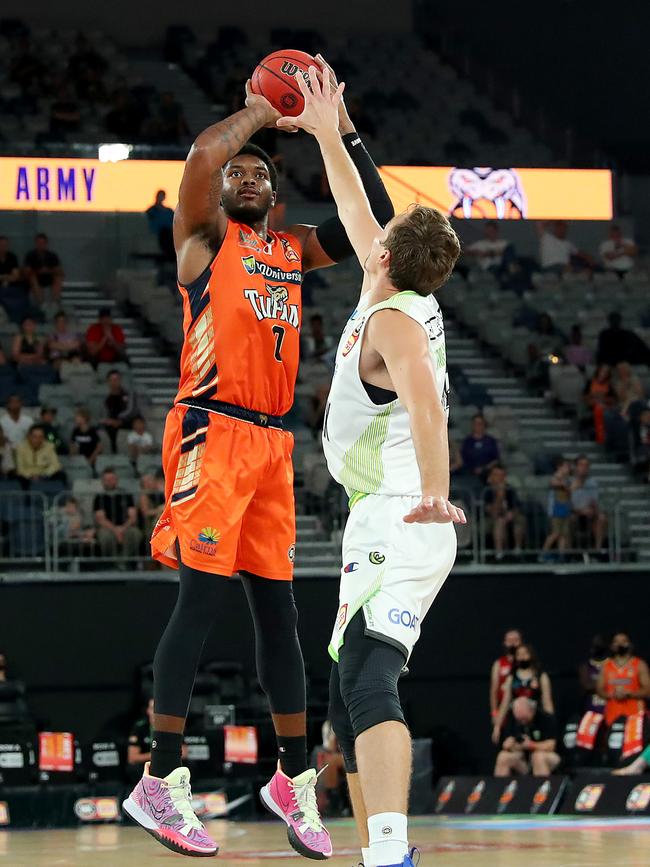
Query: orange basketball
[[275, 79]]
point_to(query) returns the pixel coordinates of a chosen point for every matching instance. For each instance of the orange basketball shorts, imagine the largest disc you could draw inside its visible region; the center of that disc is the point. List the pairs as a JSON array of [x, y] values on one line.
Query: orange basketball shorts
[[229, 500]]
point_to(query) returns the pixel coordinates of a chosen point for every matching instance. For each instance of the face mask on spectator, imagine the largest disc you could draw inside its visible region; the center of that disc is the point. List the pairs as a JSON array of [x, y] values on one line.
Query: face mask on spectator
[[621, 649], [523, 663]]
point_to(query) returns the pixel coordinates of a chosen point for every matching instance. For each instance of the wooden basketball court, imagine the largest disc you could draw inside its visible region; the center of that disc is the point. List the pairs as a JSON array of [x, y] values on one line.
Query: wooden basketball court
[[551, 842]]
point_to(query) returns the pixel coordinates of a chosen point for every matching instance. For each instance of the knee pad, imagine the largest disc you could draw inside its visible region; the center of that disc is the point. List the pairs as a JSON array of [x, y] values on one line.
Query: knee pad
[[340, 719], [371, 702]]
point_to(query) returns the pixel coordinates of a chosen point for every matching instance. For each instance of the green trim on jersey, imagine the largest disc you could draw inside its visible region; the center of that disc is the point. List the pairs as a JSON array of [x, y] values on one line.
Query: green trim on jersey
[[357, 605], [400, 301], [363, 464], [355, 497]]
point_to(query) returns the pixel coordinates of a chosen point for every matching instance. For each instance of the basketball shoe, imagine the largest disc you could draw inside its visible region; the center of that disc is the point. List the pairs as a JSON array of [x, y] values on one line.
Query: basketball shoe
[[164, 809], [294, 801], [410, 860]]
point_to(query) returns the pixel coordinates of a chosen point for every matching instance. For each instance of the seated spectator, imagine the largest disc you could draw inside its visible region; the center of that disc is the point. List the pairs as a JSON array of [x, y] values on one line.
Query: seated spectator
[[139, 441], [152, 500], [317, 343], [502, 669], [628, 388], [598, 395], [529, 742], [527, 680], [27, 347], [15, 423], [505, 522], [639, 766], [575, 352], [70, 528], [618, 253], [51, 429], [616, 343], [120, 407], [589, 674], [161, 219], [116, 518], [556, 253], [84, 439], [105, 341], [43, 270], [7, 463], [9, 269], [63, 343], [559, 509], [492, 253], [36, 458], [585, 510], [479, 451], [624, 680]]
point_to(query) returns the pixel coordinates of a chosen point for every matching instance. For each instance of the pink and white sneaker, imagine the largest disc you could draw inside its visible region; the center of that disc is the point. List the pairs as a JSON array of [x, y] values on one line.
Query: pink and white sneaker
[[294, 801], [163, 807]]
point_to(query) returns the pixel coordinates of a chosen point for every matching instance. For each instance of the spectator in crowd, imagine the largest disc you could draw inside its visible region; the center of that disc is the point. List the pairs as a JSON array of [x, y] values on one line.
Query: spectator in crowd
[[120, 407], [170, 126], [624, 680], [51, 429], [599, 395], [105, 343], [65, 116], [642, 449], [36, 458], [139, 440], [70, 525], [505, 521], [529, 742], [7, 463], [502, 669], [9, 269], [556, 253], [27, 347], [639, 766], [559, 509], [618, 253], [15, 423], [628, 388], [589, 673], [616, 343], [491, 253], [84, 439], [116, 518], [140, 741], [152, 500], [43, 270], [575, 352], [317, 343], [124, 118], [585, 509], [480, 451], [63, 342], [527, 680], [161, 219]]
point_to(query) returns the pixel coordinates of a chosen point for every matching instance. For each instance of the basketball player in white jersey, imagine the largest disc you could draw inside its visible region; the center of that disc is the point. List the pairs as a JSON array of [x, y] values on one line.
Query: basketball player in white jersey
[[385, 440]]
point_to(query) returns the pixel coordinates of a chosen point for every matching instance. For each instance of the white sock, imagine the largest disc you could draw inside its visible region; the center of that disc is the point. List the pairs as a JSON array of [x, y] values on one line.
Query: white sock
[[365, 857], [388, 838]]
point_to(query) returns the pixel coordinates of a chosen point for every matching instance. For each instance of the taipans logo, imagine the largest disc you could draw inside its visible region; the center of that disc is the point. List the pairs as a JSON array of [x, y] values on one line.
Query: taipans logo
[[342, 616], [289, 253], [351, 567], [279, 294], [403, 618], [291, 553], [589, 797], [207, 542], [376, 558], [254, 266], [352, 339]]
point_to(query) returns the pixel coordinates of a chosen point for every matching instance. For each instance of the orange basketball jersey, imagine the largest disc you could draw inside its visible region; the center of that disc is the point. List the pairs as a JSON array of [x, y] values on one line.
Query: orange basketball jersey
[[626, 677], [241, 320]]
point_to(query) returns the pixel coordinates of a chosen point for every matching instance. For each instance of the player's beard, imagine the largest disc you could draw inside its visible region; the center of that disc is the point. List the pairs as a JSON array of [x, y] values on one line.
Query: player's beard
[[248, 213]]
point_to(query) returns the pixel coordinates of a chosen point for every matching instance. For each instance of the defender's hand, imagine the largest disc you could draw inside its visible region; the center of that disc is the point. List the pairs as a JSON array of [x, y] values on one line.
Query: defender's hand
[[435, 510], [320, 115], [345, 122], [256, 100]]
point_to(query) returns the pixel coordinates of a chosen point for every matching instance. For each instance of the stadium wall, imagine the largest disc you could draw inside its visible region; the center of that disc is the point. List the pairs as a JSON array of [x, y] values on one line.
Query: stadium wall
[[77, 645]]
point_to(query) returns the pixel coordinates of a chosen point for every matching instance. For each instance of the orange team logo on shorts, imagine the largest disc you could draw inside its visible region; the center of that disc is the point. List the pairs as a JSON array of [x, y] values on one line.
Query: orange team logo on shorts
[[208, 540]]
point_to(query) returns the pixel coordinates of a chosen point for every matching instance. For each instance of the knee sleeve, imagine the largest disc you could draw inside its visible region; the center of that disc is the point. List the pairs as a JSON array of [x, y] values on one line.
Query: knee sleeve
[[280, 666], [368, 672], [340, 719]]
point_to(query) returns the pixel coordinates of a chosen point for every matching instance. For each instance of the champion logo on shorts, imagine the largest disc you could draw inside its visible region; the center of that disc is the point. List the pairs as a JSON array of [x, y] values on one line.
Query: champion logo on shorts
[[207, 542], [376, 558]]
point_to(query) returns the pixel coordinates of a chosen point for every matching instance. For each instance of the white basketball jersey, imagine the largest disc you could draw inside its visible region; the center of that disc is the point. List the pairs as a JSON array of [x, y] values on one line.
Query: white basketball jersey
[[368, 446]]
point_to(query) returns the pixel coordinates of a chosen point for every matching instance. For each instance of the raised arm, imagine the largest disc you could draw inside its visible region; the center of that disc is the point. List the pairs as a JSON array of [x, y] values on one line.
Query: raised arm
[[321, 118], [199, 221], [404, 347]]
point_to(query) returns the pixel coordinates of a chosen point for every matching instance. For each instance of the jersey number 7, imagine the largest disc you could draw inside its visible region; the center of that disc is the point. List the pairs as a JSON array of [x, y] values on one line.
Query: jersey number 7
[[278, 330]]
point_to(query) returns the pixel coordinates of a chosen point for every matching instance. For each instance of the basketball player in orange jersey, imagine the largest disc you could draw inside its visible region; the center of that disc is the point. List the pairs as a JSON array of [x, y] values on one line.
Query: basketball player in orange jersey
[[227, 460]]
